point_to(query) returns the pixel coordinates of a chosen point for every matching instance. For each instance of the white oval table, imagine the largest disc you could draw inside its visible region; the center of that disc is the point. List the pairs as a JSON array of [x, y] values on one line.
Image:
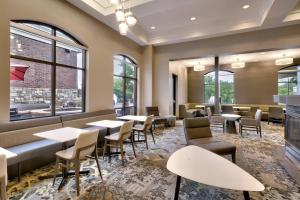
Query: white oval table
[[230, 122], [202, 166]]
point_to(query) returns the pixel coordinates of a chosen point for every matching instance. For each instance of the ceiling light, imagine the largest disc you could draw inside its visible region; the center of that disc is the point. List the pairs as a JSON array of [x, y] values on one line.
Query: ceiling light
[[246, 6], [114, 2], [120, 15], [19, 45], [262, 53], [284, 61], [236, 65], [199, 67], [123, 28], [12, 37], [153, 27], [130, 19], [193, 18]]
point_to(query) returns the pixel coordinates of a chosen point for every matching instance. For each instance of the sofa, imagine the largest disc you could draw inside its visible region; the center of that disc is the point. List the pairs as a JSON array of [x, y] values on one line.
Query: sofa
[[241, 109], [34, 152]]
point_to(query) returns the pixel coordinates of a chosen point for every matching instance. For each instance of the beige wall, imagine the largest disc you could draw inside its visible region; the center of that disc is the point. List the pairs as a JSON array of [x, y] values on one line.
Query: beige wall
[[278, 38], [181, 72], [254, 84], [102, 43]]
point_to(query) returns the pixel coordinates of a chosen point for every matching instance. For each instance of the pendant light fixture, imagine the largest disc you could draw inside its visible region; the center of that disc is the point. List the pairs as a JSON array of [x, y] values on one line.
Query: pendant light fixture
[[199, 68], [125, 19]]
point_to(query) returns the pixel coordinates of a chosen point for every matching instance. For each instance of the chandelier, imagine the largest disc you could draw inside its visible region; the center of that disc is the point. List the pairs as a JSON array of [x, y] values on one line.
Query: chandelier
[[125, 18]]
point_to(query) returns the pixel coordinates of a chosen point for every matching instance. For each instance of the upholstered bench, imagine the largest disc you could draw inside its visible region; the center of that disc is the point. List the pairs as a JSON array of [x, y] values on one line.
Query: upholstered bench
[[18, 138]]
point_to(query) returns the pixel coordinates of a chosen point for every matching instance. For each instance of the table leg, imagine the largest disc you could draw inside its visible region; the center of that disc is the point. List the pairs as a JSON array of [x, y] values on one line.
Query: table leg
[[246, 195], [177, 187], [230, 127]]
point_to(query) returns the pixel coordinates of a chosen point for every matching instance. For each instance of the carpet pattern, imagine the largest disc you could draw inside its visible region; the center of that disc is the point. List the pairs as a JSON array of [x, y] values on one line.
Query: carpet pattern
[[146, 176]]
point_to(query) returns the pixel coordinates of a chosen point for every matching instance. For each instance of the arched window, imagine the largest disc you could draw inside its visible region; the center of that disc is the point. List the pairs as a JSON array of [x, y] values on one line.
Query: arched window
[[47, 71], [125, 85], [226, 79], [288, 81]]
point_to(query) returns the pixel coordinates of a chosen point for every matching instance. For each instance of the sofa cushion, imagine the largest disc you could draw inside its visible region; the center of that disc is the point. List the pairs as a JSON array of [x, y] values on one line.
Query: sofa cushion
[[30, 150], [80, 120], [218, 147]]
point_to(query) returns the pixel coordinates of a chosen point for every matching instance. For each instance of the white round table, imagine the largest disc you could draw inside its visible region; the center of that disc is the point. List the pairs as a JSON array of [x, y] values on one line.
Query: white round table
[[230, 122], [203, 166]]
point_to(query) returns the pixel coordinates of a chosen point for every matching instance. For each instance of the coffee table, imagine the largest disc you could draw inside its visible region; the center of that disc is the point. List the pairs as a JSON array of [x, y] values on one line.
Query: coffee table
[[230, 122], [63, 135], [203, 166]]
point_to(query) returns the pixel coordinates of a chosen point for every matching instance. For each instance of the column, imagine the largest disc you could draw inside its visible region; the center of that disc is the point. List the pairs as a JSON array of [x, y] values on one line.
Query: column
[[217, 85]]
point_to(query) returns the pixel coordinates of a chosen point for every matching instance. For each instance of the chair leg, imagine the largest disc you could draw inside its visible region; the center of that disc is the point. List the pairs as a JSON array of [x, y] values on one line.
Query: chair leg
[[260, 131], [77, 169], [2, 188], [19, 171], [146, 141], [98, 164], [104, 148], [151, 131], [132, 141], [268, 121], [122, 152], [257, 130]]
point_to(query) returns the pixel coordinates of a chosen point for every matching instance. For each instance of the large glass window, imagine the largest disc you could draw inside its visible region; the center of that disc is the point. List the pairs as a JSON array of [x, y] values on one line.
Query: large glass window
[[47, 71], [226, 80], [125, 85], [288, 81]]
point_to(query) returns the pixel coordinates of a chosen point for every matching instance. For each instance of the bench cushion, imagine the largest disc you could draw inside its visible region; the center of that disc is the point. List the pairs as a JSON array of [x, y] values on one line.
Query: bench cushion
[[33, 149]]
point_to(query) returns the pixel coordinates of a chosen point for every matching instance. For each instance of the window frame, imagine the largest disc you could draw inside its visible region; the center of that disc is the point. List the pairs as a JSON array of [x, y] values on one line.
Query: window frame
[[125, 78], [213, 72], [289, 83], [19, 24]]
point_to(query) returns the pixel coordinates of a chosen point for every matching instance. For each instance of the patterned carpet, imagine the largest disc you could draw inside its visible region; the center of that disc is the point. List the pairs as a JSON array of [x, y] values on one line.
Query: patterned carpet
[[146, 177]]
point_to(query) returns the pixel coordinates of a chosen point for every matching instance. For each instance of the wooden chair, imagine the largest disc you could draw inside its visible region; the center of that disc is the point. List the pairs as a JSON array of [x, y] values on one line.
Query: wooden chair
[[144, 128], [215, 120], [117, 139], [85, 145], [251, 124], [3, 177], [153, 110]]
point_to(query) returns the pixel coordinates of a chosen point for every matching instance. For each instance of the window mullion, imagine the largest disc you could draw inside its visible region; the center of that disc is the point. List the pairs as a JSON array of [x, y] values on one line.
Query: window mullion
[[53, 78]]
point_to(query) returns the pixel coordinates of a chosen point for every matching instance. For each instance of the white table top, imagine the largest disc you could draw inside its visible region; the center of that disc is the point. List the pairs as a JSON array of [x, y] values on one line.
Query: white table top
[[133, 118], [231, 116], [199, 106], [107, 123], [203, 166], [61, 134], [7, 153]]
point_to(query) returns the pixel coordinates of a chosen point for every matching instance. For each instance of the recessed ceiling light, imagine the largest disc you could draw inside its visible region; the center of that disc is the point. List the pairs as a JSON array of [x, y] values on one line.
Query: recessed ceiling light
[[262, 53], [153, 27], [246, 6], [193, 18]]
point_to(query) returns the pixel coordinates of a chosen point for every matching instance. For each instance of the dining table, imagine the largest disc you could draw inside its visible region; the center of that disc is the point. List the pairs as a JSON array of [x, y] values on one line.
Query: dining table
[[230, 122], [109, 125], [205, 167], [63, 135]]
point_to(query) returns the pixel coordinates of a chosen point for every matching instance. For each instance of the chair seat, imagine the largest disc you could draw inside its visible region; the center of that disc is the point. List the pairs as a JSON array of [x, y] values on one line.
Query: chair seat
[[66, 154], [218, 147], [113, 137], [138, 127]]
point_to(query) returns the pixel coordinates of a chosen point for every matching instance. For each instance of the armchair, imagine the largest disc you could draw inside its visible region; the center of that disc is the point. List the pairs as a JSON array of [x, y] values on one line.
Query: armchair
[[197, 132], [251, 124]]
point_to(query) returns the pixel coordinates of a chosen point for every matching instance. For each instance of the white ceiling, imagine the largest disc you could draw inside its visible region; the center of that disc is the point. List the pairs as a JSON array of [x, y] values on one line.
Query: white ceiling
[[214, 17], [248, 57]]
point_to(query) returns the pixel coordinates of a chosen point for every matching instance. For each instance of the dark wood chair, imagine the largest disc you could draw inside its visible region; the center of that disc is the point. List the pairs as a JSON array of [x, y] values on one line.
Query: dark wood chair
[[153, 110]]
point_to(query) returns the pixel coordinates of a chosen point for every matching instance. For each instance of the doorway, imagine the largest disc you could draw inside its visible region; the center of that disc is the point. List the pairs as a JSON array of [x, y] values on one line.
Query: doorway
[[174, 98]]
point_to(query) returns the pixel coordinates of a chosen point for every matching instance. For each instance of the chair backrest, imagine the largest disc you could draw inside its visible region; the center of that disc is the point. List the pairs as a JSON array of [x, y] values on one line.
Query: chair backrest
[[275, 112], [126, 130], [148, 122], [208, 111], [258, 115], [196, 128], [227, 109], [85, 144], [3, 169], [252, 111], [152, 111]]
